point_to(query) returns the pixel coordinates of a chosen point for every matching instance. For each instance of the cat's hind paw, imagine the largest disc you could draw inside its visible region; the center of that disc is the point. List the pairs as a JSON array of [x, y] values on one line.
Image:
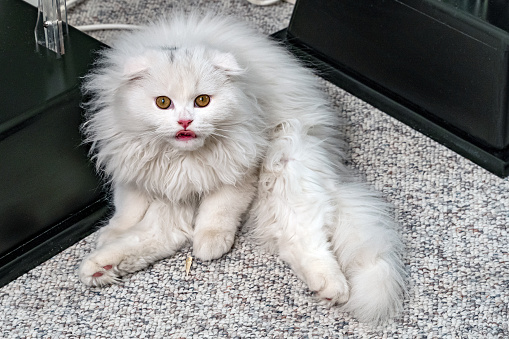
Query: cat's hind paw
[[330, 285], [334, 292]]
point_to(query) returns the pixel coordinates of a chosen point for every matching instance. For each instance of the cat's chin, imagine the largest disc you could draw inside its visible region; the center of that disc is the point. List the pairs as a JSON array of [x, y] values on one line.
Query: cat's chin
[[188, 142]]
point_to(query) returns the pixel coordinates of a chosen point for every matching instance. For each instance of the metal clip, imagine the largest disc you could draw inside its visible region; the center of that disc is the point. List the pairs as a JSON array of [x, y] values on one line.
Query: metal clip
[[51, 25]]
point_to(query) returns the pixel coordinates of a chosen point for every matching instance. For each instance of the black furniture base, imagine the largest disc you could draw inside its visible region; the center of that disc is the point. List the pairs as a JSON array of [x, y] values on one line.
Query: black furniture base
[[50, 196], [441, 67]]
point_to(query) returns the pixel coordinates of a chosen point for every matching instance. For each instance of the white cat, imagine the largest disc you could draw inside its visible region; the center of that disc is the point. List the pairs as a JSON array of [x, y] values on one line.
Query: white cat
[[200, 121]]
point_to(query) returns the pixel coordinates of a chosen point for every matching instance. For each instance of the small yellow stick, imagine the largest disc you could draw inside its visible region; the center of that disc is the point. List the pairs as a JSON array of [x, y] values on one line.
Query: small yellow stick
[[189, 261]]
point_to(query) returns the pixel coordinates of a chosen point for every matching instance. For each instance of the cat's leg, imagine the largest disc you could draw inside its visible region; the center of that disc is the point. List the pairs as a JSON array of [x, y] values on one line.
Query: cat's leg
[[219, 216], [297, 232], [130, 206], [308, 214], [368, 247], [293, 211], [157, 235]]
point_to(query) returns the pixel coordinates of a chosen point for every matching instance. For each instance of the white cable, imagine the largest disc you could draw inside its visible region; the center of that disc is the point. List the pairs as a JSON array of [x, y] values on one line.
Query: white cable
[[71, 3], [87, 28], [263, 2]]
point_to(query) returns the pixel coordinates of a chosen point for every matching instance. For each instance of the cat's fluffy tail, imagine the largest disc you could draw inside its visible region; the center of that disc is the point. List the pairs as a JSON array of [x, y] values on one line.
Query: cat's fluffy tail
[[368, 249]]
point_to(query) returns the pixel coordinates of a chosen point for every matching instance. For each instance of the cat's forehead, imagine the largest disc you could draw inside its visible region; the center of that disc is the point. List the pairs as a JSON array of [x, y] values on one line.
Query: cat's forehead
[[186, 69], [185, 64], [182, 56]]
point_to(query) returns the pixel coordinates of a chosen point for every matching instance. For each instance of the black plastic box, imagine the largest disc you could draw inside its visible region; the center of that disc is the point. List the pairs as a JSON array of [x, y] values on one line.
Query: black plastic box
[[50, 196], [439, 66]]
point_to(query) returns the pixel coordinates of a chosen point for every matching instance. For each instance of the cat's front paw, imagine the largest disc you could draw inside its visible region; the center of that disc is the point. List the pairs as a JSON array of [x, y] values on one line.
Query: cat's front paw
[[212, 244], [96, 272]]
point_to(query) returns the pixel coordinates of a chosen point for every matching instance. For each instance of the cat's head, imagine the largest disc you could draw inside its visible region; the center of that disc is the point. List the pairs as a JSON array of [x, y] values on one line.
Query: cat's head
[[183, 96]]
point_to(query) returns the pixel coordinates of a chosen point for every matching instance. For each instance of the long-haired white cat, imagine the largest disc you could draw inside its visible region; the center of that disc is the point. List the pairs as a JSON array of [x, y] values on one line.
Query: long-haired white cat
[[199, 122]]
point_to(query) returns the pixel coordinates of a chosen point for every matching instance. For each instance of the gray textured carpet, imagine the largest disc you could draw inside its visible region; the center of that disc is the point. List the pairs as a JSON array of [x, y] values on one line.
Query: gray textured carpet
[[454, 218]]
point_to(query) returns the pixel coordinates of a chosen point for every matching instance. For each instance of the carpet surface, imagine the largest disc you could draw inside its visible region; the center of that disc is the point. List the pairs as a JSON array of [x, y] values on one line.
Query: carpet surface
[[453, 217]]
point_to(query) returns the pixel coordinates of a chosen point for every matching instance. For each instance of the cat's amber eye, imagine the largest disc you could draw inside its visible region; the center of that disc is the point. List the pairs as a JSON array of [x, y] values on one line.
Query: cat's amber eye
[[163, 102], [202, 100]]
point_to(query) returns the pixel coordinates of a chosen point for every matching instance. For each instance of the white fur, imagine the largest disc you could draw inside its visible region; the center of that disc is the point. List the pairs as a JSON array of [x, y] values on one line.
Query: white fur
[[267, 146]]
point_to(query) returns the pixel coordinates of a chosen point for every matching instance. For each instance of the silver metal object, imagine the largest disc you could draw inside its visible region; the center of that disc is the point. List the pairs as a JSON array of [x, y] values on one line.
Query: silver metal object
[[51, 25]]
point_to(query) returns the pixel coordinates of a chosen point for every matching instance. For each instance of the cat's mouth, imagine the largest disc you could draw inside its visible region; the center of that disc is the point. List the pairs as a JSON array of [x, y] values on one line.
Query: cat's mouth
[[185, 135]]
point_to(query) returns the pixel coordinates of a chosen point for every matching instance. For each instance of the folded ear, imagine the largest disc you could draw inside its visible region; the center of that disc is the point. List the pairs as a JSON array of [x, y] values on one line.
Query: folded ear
[[227, 63], [136, 65]]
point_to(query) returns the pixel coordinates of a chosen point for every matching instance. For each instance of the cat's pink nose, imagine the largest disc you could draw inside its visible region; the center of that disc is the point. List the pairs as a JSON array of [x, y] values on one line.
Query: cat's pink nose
[[185, 123]]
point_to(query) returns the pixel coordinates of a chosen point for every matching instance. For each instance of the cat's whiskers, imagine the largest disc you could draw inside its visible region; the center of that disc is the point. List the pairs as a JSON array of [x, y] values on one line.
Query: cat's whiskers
[[216, 135]]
